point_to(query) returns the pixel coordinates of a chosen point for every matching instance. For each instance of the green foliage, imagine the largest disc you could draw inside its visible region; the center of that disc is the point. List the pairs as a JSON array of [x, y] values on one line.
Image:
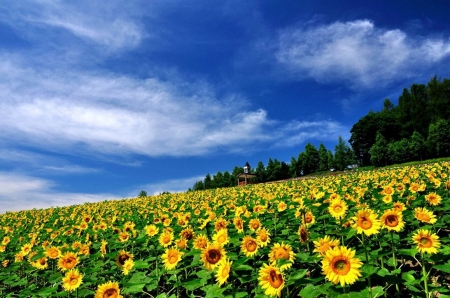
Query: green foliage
[[379, 151], [142, 194]]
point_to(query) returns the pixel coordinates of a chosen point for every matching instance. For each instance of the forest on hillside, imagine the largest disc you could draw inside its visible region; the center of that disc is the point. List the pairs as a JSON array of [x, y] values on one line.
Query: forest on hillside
[[417, 128]]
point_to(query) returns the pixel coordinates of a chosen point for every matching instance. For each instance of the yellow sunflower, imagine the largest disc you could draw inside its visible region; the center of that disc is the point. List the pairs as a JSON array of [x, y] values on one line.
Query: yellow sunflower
[[399, 206], [424, 215], [254, 224], [337, 208], [433, 199], [324, 244], [40, 264], [366, 221], [26, 248], [151, 230], [271, 280], [181, 243], [263, 237], [340, 265], [127, 266], [221, 237], [303, 234], [171, 258], [238, 224], [200, 241], [187, 234], [103, 247], [52, 252], [223, 271], [122, 257], [72, 280], [166, 238], [282, 251], [249, 246], [212, 254], [426, 242], [109, 289], [308, 219], [392, 220], [124, 236], [67, 261]]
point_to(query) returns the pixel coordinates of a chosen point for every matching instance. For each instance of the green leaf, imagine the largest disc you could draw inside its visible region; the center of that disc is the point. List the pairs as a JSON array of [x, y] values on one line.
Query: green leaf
[[140, 264], [133, 289], [243, 268], [299, 274], [408, 277], [368, 270], [194, 284], [383, 272], [444, 268]]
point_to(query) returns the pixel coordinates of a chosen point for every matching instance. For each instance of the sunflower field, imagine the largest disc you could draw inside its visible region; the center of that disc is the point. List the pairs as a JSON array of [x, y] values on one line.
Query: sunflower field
[[381, 233]]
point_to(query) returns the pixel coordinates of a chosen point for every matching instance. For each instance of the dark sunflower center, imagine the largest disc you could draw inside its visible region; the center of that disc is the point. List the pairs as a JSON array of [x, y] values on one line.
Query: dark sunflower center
[[391, 220], [251, 245], [341, 267], [213, 256], [110, 293], [275, 280], [426, 242], [365, 223]]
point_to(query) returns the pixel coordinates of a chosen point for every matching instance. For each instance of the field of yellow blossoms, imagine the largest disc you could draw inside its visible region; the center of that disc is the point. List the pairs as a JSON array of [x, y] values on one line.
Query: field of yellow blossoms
[[381, 233]]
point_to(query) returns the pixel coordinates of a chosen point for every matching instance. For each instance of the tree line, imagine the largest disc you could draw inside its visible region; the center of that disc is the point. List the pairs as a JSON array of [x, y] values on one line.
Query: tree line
[[416, 129], [311, 160]]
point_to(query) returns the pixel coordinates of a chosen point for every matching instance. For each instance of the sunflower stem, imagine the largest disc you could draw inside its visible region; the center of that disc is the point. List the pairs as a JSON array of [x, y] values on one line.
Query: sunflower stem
[[369, 282], [425, 276], [394, 260]]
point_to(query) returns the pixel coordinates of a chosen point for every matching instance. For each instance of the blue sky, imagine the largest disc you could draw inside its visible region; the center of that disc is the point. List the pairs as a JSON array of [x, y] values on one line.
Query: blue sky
[[102, 99]]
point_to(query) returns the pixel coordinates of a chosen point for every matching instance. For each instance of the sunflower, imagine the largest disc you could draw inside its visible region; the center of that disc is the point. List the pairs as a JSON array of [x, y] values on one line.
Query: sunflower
[[387, 199], [166, 238], [238, 224], [414, 187], [171, 258], [325, 243], [337, 208], [221, 237], [212, 254], [122, 257], [187, 234], [303, 234], [399, 206], [200, 241], [340, 265], [223, 271], [40, 264], [271, 279], [263, 237], [67, 261], [103, 247], [127, 266], [220, 224], [392, 220], [433, 199], [124, 236], [26, 248], [308, 218], [282, 251], [181, 243], [254, 224], [151, 230], [6, 240], [281, 206], [426, 242], [109, 289], [52, 252], [72, 280], [366, 221], [249, 246], [424, 215]]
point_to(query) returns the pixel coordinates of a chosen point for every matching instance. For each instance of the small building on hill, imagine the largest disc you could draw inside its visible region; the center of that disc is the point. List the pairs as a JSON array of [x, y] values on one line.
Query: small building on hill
[[246, 177]]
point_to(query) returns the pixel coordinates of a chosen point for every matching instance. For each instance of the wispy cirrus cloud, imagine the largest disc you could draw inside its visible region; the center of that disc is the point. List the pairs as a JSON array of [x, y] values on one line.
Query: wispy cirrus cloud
[[112, 26], [357, 52]]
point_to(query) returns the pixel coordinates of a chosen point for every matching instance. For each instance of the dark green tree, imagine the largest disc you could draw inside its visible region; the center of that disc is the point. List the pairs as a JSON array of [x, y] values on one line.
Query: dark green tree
[[142, 194], [438, 141], [330, 159], [379, 151], [343, 155], [323, 158], [261, 172], [311, 162], [293, 172], [398, 152], [417, 146]]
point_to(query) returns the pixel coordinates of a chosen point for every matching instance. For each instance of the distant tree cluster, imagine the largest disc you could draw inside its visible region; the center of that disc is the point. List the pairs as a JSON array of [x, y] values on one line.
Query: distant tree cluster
[[311, 160], [415, 129]]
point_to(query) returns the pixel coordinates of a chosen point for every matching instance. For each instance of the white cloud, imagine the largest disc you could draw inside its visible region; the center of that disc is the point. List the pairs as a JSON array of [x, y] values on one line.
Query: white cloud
[[357, 52], [111, 25], [22, 192], [114, 114]]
